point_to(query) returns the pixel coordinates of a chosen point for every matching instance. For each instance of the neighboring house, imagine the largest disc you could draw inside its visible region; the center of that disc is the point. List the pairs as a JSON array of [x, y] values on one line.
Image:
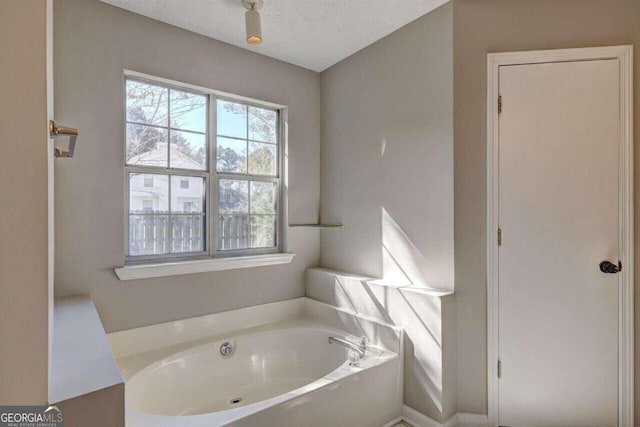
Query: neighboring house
[[150, 192]]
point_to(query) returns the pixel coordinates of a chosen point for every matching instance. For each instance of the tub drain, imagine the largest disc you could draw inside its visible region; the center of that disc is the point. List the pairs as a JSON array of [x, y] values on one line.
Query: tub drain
[[235, 401]]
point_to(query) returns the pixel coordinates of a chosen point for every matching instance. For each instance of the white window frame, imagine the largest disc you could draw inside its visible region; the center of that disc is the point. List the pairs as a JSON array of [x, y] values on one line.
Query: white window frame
[[212, 176]]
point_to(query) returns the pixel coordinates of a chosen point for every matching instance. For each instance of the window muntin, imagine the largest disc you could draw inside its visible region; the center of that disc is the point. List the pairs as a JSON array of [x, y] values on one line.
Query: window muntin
[[248, 184], [166, 127], [167, 135], [158, 222], [246, 139]]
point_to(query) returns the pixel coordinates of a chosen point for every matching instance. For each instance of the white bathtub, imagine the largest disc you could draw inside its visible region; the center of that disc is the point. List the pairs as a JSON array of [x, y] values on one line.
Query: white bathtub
[[280, 374]]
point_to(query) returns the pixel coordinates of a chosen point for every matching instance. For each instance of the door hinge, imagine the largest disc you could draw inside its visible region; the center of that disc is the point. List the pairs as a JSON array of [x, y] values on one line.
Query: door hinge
[[499, 236], [499, 369], [499, 104]]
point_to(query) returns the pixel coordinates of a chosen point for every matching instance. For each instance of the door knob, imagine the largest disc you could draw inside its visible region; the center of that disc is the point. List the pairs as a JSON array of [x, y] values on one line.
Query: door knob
[[610, 268]]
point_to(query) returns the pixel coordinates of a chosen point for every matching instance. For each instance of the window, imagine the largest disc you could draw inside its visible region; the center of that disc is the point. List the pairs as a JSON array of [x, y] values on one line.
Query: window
[[203, 173]]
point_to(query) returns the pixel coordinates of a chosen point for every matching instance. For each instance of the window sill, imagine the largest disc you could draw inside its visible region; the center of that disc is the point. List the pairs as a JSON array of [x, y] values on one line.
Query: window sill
[[146, 271]]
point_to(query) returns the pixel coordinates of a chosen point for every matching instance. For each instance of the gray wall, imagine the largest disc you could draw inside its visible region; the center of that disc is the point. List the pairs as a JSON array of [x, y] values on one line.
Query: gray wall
[[93, 44], [387, 155], [23, 204], [495, 26], [387, 175]]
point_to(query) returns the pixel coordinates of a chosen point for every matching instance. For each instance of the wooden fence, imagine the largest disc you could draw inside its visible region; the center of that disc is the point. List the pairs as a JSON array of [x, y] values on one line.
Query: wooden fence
[[179, 233]]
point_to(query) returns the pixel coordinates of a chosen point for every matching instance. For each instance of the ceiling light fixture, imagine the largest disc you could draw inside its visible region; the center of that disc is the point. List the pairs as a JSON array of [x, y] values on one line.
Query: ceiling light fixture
[[252, 21]]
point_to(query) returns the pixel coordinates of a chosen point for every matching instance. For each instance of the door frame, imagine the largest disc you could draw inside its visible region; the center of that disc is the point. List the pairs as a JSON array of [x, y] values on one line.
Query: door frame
[[626, 211]]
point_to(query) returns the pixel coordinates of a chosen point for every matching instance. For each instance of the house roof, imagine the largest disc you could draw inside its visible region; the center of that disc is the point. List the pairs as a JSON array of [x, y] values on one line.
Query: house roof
[[158, 157]]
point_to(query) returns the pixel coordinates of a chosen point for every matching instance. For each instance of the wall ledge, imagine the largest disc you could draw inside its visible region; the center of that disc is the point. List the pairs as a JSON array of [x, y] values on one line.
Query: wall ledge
[[145, 271], [387, 283], [81, 358], [460, 419]]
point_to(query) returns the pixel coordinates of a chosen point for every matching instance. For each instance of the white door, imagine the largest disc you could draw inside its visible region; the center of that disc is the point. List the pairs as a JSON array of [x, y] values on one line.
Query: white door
[[559, 133]]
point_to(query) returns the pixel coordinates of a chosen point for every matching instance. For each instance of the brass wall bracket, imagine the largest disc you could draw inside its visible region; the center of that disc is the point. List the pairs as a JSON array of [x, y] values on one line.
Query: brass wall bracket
[[56, 131]]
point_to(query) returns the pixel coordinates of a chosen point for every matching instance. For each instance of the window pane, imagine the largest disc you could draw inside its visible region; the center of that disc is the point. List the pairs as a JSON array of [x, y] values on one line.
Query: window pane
[[188, 111], [187, 194], [146, 146], [263, 197], [187, 233], [156, 195], [232, 119], [263, 231], [233, 219], [148, 234], [233, 231], [262, 124], [146, 103], [262, 158], [233, 196], [188, 150], [231, 155]]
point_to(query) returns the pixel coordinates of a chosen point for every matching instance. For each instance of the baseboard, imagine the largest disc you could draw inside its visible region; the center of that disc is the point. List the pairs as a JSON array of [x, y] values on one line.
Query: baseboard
[[418, 419], [393, 422], [451, 422], [472, 420]]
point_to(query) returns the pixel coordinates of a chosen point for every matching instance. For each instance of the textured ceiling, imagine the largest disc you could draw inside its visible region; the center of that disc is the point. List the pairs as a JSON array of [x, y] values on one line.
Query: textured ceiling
[[314, 34]]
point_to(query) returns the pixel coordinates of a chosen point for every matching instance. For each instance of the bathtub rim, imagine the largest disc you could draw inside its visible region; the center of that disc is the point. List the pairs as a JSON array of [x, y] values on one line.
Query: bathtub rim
[[148, 338]]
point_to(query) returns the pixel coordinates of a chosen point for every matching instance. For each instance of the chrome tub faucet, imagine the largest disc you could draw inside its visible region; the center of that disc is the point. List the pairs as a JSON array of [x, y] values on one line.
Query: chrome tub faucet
[[358, 348]]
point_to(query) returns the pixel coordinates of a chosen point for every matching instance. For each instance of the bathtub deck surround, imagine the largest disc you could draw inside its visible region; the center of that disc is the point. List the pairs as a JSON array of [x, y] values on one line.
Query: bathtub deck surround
[[424, 314], [261, 364], [84, 379]]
